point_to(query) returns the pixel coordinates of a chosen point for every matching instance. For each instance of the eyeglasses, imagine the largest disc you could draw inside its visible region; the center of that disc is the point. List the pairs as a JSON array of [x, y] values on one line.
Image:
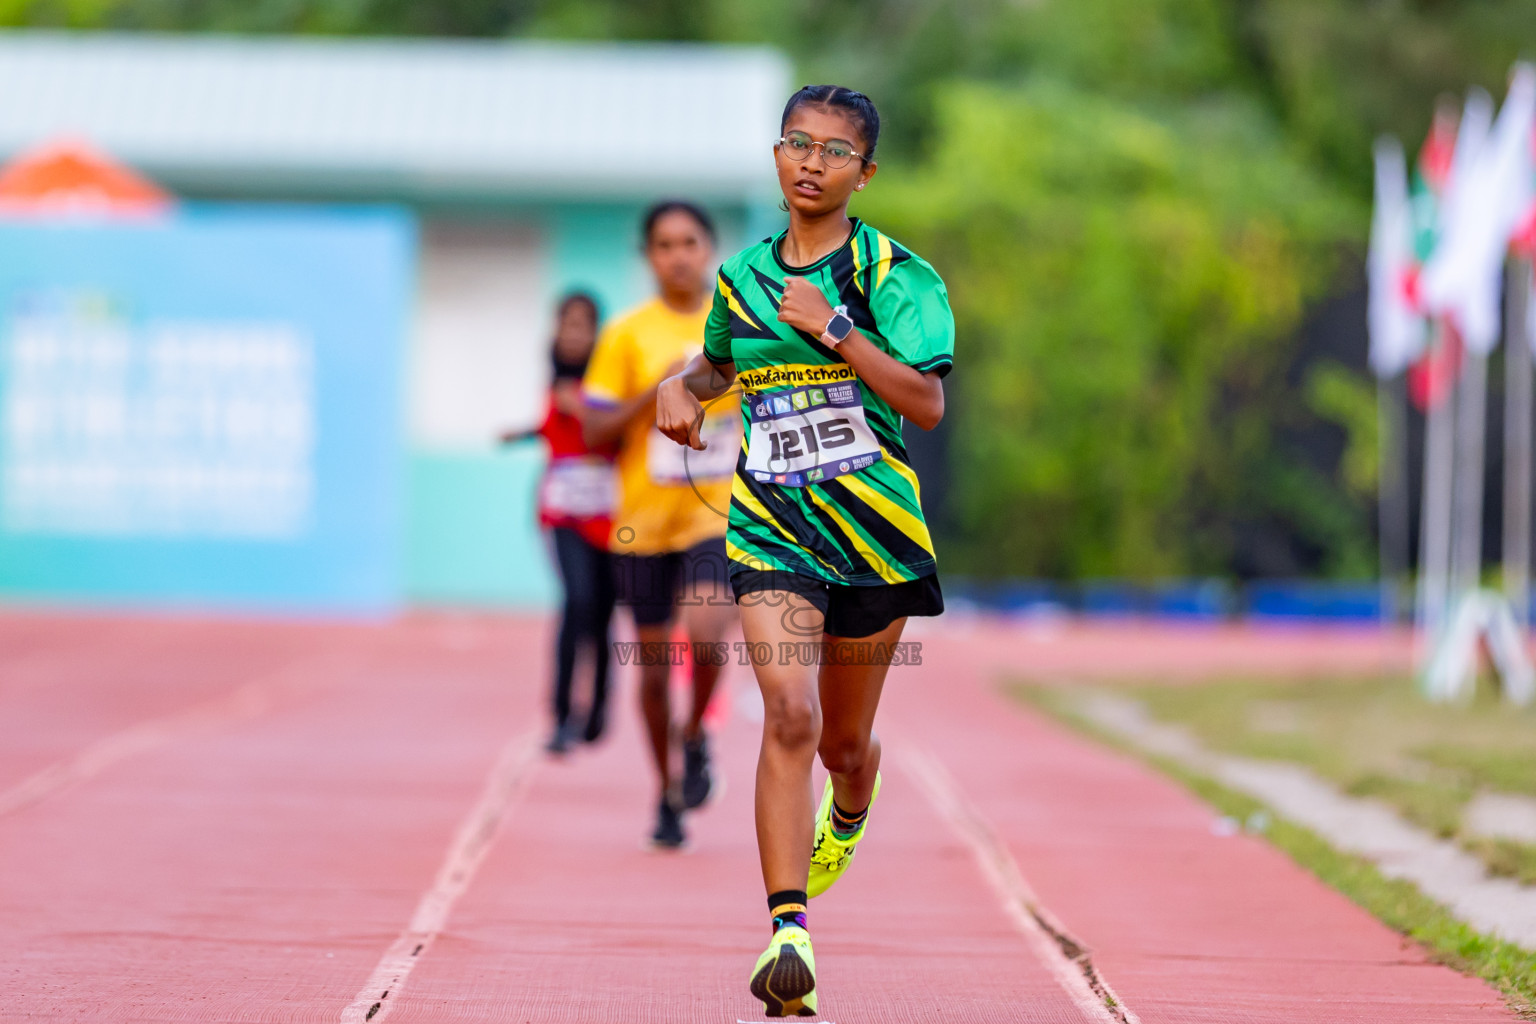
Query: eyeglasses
[[834, 152]]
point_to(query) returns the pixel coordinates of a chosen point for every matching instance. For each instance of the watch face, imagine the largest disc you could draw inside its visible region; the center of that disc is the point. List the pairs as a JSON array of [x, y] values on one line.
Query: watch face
[[839, 326]]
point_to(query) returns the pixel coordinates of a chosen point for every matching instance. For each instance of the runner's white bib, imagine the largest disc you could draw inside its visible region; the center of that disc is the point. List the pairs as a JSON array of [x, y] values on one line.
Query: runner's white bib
[[668, 462], [809, 434], [580, 487]]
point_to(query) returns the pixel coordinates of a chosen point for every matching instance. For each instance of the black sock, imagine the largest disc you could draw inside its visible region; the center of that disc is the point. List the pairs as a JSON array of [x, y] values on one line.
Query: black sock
[[788, 908], [845, 824]]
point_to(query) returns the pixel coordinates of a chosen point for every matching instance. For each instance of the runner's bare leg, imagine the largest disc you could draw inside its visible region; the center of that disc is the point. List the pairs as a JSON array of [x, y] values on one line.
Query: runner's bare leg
[[707, 619], [850, 695], [791, 732], [656, 697]]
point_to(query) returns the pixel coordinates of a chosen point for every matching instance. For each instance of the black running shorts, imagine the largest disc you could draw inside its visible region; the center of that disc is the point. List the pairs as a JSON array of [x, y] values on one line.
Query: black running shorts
[[652, 584], [850, 612]]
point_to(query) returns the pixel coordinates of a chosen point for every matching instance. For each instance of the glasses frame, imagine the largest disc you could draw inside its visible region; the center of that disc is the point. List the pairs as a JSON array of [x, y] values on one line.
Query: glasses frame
[[785, 138]]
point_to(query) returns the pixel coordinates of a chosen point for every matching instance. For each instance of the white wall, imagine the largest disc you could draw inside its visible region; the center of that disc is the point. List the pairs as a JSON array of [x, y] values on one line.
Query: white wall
[[479, 355]]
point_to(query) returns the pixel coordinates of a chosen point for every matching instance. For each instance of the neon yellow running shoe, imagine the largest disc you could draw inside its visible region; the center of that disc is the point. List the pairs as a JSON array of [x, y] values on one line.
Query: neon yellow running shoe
[[785, 975], [830, 855]]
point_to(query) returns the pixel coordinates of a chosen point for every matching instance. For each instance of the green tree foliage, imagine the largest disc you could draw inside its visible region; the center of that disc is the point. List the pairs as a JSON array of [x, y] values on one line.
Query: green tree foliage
[[1339, 72], [386, 17], [1340, 396], [1124, 284]]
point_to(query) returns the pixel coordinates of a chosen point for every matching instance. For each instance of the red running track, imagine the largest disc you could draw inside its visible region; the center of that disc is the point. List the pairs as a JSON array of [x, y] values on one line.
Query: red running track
[[223, 821]]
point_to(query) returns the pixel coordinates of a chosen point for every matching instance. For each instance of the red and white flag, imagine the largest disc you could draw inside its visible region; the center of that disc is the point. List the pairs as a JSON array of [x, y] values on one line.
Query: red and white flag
[[1490, 191]]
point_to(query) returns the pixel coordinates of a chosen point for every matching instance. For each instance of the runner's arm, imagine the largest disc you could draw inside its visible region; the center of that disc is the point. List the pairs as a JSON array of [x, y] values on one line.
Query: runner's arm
[[705, 379], [565, 397], [603, 424], [917, 396], [679, 411]]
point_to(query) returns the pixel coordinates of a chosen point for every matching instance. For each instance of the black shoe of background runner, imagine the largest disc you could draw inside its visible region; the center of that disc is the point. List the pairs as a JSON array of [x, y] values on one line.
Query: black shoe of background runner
[[560, 740], [593, 730], [669, 827], [696, 780]]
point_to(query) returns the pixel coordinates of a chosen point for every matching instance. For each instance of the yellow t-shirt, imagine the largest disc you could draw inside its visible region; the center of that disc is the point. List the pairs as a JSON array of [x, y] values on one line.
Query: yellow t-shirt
[[670, 497]]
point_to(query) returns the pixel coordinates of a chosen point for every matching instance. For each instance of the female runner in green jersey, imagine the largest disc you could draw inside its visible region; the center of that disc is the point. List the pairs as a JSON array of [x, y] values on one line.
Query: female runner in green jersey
[[835, 334]]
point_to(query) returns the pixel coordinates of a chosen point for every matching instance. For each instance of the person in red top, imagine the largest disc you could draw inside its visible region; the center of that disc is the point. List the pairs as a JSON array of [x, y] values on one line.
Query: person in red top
[[575, 500]]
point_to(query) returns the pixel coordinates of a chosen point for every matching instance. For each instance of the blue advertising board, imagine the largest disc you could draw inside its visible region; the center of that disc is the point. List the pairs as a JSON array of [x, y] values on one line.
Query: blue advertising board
[[205, 410]]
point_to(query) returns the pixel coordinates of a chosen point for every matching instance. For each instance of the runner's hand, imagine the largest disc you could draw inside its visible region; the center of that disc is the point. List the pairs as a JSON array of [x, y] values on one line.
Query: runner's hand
[[804, 307], [678, 413]]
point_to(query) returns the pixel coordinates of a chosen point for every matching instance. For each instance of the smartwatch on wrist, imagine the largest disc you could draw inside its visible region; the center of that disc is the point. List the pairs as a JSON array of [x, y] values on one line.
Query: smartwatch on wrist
[[837, 328]]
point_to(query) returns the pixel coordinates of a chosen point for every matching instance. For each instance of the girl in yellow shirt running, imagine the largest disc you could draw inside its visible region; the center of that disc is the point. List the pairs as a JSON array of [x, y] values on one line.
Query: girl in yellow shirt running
[[668, 533]]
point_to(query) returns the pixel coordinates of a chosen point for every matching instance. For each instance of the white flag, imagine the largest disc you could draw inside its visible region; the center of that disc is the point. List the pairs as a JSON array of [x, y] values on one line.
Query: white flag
[[1397, 331], [1489, 191], [1446, 288]]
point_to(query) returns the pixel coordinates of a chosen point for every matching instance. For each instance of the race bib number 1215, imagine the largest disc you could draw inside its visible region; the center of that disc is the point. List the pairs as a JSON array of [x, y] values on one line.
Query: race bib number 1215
[[809, 434]]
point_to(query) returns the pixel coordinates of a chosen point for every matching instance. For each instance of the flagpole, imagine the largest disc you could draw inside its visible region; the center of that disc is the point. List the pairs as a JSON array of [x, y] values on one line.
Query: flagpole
[[1435, 520], [1392, 499], [1467, 512], [1517, 442]]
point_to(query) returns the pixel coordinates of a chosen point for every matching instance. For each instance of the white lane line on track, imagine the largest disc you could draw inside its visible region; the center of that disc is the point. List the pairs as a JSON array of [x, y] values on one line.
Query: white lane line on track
[[248, 701], [476, 834], [1050, 942]]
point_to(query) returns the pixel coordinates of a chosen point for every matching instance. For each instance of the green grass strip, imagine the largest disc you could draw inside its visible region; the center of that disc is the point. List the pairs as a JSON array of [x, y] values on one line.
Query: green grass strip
[[1396, 903]]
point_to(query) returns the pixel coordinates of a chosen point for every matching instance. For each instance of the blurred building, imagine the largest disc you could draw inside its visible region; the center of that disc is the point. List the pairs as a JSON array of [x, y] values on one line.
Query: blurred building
[[526, 164]]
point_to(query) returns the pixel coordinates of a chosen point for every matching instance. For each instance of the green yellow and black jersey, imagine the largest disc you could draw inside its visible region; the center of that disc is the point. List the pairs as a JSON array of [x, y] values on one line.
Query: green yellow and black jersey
[[822, 485]]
